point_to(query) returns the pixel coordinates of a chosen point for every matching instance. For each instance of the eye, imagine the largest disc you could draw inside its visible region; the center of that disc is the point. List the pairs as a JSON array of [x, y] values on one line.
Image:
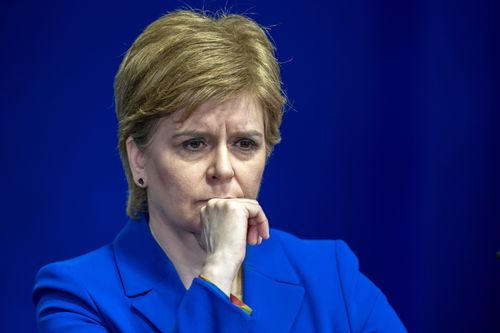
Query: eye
[[246, 144], [194, 144]]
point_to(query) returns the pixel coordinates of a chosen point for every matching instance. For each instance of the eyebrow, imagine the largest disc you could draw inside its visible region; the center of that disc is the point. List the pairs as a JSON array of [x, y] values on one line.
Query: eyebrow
[[190, 133], [249, 133], [194, 133]]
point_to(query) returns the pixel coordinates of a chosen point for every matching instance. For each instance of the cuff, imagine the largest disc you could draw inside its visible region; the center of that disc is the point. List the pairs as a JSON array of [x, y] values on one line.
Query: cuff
[[235, 300]]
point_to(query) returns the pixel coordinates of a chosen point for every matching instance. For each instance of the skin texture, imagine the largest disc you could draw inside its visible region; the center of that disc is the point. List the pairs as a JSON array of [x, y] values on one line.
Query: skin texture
[[202, 177]]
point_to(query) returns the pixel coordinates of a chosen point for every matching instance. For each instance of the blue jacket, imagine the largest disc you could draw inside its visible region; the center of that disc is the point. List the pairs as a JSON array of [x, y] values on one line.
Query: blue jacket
[[292, 285]]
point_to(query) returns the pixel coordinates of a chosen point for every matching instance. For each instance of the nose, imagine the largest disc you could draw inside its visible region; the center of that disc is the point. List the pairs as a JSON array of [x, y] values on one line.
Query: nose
[[221, 168]]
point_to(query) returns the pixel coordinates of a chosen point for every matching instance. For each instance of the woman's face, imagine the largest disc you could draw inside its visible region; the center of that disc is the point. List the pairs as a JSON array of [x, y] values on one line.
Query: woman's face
[[218, 152]]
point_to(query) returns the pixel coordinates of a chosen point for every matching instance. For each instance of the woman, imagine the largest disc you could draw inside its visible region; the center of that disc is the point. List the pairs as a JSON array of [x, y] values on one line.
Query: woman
[[199, 105]]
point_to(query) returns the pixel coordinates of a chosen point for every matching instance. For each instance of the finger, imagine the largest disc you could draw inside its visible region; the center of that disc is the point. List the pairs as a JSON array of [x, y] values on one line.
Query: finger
[[239, 200], [258, 217], [255, 214], [253, 235], [264, 230], [203, 213], [245, 200]]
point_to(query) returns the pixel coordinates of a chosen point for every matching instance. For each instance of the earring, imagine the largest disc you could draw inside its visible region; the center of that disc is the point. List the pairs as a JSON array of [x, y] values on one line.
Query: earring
[[141, 182]]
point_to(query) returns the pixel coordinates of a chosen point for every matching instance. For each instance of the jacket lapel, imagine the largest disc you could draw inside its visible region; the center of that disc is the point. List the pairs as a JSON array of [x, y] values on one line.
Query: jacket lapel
[[149, 278], [271, 288]]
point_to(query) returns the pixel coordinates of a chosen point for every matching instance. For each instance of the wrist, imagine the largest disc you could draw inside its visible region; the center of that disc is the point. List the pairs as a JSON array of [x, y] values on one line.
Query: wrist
[[220, 273], [218, 280]]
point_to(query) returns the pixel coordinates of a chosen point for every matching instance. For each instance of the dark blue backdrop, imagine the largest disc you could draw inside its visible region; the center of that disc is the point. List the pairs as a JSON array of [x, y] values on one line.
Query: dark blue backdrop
[[391, 143]]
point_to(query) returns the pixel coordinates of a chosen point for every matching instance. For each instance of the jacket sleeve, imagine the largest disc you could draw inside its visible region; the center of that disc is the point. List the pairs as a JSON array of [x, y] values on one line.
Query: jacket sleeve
[[367, 307], [63, 304], [205, 308]]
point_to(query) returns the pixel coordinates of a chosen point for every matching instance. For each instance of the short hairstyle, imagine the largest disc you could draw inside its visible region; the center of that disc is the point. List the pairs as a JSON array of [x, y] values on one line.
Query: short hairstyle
[[184, 59]]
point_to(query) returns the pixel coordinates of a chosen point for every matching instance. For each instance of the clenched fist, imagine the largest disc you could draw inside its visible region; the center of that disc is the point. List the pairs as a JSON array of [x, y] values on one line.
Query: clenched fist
[[227, 226]]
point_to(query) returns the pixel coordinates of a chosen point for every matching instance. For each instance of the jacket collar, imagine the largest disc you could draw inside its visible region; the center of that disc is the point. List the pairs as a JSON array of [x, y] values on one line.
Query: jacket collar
[[271, 287], [141, 262]]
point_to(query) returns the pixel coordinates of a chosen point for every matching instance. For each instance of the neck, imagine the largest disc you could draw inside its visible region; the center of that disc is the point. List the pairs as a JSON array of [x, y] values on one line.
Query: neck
[[181, 247]]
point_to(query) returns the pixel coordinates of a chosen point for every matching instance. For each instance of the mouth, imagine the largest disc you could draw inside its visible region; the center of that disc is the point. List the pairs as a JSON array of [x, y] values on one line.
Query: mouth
[[218, 197]]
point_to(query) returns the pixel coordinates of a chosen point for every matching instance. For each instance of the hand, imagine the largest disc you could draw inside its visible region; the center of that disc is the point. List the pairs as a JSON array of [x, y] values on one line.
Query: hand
[[227, 226]]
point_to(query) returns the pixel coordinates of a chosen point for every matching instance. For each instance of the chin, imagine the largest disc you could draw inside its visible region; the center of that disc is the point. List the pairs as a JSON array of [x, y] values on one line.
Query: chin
[[194, 225], [196, 230]]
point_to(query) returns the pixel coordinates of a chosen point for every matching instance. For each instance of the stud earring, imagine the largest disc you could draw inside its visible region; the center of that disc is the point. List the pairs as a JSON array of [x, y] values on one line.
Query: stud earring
[[141, 182]]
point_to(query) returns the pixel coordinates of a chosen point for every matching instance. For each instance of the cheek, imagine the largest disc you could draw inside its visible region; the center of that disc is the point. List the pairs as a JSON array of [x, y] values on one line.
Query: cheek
[[162, 178], [177, 180], [251, 178]]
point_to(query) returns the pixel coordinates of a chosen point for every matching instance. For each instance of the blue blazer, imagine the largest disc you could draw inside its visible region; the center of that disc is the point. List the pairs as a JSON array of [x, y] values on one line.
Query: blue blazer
[[292, 285]]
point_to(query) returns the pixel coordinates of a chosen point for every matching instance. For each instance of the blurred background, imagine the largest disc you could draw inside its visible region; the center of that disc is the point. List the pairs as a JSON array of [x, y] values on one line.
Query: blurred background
[[391, 142]]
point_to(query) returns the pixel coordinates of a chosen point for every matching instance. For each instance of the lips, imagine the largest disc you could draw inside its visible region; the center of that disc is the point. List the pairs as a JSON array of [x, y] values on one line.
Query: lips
[[218, 197], [206, 200]]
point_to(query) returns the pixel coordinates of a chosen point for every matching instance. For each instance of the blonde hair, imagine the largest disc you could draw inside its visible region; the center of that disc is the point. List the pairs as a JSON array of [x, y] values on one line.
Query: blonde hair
[[184, 59]]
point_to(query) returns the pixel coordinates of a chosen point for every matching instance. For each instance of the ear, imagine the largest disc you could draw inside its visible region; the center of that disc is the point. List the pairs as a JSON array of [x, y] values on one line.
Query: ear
[[136, 160]]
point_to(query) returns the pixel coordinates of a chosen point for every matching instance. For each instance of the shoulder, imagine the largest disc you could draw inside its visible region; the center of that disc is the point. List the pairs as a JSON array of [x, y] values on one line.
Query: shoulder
[[86, 267], [76, 279], [329, 271], [75, 276]]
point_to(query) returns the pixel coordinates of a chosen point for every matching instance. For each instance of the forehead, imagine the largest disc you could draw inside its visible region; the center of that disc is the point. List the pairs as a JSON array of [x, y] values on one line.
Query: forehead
[[240, 112]]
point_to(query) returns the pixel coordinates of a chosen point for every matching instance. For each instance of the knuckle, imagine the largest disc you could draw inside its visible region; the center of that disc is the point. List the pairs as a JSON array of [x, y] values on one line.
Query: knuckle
[[231, 206], [212, 202]]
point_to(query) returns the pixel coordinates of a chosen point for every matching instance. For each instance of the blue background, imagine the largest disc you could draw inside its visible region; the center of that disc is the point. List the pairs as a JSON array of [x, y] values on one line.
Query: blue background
[[391, 142]]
